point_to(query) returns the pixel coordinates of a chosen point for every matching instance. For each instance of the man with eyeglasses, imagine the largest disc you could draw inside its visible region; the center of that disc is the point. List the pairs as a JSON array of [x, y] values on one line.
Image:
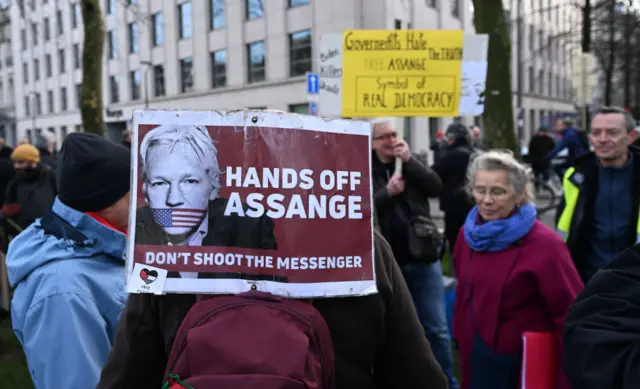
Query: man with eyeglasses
[[399, 199]]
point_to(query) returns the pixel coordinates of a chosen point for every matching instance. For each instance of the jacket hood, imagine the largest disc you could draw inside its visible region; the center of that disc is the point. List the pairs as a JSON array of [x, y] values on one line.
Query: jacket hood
[[36, 246]]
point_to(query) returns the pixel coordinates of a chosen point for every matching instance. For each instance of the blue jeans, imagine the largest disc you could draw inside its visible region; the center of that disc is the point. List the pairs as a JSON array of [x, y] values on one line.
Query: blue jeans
[[427, 290]]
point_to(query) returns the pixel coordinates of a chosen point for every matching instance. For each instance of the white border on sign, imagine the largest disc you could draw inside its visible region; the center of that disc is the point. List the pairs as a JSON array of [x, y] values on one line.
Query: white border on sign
[[241, 120]]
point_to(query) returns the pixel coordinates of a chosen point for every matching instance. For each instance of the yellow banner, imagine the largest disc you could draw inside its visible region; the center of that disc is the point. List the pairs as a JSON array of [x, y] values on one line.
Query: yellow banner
[[401, 72]]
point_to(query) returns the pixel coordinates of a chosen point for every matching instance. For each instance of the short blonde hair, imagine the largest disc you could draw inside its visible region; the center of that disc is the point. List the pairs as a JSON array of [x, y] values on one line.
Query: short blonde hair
[[519, 175]]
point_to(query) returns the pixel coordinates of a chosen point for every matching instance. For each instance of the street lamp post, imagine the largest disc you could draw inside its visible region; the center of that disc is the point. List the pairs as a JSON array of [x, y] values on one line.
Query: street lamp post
[[148, 65]]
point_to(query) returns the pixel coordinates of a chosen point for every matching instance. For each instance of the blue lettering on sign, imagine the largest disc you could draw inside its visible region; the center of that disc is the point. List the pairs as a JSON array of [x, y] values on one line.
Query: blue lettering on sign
[[313, 81]]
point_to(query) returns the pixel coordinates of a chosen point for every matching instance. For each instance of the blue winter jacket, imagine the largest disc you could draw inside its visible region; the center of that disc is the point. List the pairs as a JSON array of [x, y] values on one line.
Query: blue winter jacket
[[67, 272]]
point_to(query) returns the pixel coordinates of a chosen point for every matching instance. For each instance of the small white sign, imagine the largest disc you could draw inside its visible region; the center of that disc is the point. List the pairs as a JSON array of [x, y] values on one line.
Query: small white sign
[[146, 279]]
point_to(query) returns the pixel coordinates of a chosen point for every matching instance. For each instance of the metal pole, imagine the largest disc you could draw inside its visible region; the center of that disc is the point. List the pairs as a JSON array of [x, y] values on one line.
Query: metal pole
[[146, 87], [520, 115]]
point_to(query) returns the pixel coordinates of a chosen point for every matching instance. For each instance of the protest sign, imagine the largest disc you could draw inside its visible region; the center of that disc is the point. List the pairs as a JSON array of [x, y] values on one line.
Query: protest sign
[[473, 75], [401, 72], [226, 202]]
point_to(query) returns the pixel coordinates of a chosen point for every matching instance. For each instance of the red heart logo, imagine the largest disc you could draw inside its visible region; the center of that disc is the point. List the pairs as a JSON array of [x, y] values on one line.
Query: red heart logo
[[144, 274]]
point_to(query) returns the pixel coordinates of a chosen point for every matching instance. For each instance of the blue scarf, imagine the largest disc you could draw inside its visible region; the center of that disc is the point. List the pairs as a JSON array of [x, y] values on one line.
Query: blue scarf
[[497, 235]]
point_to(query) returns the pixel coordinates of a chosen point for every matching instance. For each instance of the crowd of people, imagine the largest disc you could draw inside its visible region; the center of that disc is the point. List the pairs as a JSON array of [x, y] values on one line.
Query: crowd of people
[[66, 217]]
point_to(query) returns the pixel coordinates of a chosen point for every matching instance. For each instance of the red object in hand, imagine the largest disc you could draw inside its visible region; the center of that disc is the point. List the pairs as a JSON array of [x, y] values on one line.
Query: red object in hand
[[539, 360], [9, 210]]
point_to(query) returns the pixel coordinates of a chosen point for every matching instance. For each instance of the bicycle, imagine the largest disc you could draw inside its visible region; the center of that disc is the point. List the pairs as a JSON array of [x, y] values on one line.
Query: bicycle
[[545, 189]]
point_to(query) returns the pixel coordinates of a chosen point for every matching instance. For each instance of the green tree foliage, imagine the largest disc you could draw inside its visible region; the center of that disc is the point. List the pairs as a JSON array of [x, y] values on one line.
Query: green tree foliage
[[92, 55], [498, 119]]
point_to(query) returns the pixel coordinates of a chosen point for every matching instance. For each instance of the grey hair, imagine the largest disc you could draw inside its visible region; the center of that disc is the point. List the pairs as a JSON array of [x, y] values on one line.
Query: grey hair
[[380, 121], [629, 121], [197, 137], [519, 175]]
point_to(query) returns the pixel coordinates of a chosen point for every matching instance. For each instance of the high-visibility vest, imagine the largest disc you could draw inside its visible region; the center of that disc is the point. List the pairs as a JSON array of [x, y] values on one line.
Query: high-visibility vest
[[571, 194]]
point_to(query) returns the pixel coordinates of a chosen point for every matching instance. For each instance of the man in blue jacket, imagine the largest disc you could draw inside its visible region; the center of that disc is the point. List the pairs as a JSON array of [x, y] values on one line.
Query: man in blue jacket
[[570, 140], [67, 268]]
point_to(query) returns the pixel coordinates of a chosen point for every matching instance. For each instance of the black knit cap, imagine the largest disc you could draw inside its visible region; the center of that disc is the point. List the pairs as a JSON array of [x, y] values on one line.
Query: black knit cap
[[93, 172]]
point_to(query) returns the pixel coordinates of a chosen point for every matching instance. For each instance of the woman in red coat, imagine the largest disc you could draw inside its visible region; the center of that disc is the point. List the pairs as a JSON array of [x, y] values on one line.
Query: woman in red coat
[[514, 275]]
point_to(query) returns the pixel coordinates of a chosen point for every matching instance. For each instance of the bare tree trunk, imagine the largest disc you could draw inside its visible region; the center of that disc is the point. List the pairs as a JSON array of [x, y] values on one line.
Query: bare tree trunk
[[498, 118], [611, 63], [92, 56]]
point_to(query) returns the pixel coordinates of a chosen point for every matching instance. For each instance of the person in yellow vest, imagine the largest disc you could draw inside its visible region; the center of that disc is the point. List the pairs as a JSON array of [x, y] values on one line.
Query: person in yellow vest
[[598, 216]]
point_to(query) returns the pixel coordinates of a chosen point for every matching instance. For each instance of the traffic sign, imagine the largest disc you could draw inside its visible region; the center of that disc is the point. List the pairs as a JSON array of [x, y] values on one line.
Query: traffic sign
[[313, 109], [313, 83]]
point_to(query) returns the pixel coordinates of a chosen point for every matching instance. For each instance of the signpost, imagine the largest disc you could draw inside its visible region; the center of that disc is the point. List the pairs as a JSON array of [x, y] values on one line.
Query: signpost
[[313, 87]]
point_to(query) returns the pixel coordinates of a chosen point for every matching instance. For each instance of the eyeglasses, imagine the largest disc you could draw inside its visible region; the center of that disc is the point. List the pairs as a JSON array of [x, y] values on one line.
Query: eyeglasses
[[387, 136], [494, 193]]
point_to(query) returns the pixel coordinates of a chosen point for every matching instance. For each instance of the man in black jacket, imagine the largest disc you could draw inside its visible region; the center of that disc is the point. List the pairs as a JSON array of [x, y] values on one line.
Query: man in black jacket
[[598, 215], [452, 169], [398, 198], [602, 328]]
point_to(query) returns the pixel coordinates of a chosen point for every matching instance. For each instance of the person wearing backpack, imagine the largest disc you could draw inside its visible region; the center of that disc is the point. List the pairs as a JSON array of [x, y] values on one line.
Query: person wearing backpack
[[376, 341]]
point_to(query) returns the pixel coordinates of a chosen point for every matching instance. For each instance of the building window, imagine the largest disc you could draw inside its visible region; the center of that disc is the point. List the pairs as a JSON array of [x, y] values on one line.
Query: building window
[[79, 95], [23, 38], [217, 18], [110, 7], [34, 34], [184, 19], [36, 69], [255, 9], [432, 3], [25, 72], [50, 107], [47, 29], [133, 38], [256, 67], [299, 53], [302, 108], [38, 104], [158, 36], [114, 92], [134, 84], [48, 65], [186, 75], [75, 15], [131, 2], [61, 61], [455, 8], [295, 3], [76, 56], [59, 22], [158, 81], [541, 82], [27, 106], [219, 68], [64, 103], [113, 48], [63, 132]]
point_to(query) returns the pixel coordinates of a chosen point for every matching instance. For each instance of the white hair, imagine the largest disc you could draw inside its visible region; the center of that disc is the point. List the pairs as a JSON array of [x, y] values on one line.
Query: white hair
[[519, 175], [196, 137]]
